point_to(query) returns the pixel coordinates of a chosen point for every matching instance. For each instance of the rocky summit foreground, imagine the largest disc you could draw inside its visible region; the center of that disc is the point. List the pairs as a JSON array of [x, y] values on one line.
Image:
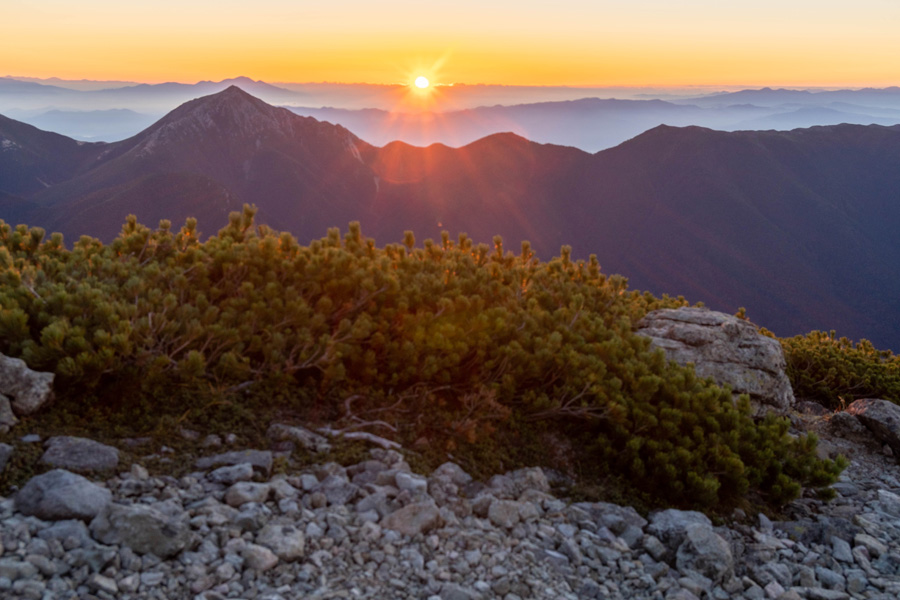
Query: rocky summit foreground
[[375, 529]]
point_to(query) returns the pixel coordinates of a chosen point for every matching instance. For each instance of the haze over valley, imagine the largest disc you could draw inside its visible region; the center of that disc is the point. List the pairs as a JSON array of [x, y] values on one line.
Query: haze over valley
[[591, 119]]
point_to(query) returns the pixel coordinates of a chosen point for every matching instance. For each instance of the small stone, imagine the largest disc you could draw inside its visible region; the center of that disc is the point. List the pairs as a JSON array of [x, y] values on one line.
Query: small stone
[[99, 583], [261, 460], [43, 564], [231, 474], [504, 513], [139, 472], [857, 581], [317, 500], [130, 584], [14, 569], [419, 517], [554, 558], [654, 547], [453, 472], [259, 558], [152, 578], [246, 491], [830, 579], [875, 547], [286, 541], [413, 483], [282, 490], [841, 550], [774, 590], [452, 591]]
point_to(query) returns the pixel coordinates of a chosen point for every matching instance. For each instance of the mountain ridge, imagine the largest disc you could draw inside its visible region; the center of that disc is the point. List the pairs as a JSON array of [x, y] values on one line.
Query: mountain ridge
[[784, 223]]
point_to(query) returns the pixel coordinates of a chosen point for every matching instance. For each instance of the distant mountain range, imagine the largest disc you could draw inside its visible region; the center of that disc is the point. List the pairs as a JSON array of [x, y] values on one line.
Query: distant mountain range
[[590, 124], [799, 227], [571, 119], [875, 97]]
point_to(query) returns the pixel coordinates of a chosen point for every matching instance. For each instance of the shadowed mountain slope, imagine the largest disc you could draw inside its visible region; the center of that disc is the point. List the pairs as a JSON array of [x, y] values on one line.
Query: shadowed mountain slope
[[797, 226]]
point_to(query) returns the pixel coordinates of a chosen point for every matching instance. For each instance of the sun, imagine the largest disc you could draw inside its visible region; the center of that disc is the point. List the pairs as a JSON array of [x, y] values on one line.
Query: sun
[[422, 82]]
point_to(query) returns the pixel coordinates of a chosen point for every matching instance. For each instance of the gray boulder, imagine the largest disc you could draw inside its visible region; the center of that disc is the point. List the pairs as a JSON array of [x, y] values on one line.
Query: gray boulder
[[143, 528], [670, 527], [882, 418], [28, 389], [704, 553], [79, 454], [729, 350], [60, 494]]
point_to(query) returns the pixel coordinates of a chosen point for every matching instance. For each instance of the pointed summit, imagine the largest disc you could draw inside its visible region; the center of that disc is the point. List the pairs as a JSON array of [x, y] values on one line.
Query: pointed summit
[[232, 112], [210, 155]]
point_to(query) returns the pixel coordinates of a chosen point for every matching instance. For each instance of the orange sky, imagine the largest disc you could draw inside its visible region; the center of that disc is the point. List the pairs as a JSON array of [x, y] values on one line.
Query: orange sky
[[522, 42]]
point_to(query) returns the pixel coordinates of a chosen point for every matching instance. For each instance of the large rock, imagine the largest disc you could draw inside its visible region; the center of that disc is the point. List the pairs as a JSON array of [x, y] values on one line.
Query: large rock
[[670, 525], [704, 553], [28, 389], [145, 529], [79, 454], [882, 418], [59, 494], [729, 350]]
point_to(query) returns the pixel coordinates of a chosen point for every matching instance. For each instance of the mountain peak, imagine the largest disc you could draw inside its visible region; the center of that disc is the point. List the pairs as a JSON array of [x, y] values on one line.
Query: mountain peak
[[232, 112]]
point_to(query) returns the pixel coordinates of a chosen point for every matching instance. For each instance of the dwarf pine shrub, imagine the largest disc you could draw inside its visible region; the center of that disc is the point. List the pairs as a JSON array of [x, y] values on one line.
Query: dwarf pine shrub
[[449, 342]]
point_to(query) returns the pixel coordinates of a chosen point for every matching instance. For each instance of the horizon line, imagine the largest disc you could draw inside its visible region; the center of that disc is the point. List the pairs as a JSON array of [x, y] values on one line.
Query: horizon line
[[774, 86]]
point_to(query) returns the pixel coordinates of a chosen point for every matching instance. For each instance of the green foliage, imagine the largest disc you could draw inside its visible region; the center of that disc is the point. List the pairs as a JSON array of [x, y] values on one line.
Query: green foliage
[[450, 345], [835, 371]]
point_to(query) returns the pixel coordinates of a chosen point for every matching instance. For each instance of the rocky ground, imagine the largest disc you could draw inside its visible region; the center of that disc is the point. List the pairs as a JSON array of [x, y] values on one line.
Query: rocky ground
[[233, 529], [253, 524]]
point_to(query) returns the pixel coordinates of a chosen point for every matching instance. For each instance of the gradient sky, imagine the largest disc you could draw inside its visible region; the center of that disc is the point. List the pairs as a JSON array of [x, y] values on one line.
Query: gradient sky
[[514, 42]]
